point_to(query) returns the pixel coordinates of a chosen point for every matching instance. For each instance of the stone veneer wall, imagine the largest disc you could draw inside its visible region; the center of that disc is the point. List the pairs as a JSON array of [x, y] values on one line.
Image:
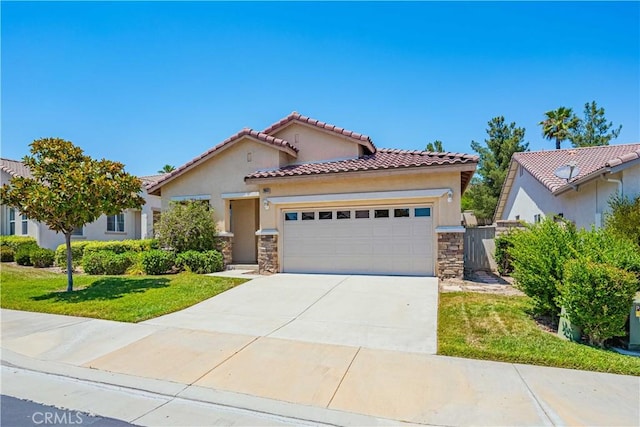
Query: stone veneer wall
[[450, 255], [225, 246], [505, 225], [268, 254]]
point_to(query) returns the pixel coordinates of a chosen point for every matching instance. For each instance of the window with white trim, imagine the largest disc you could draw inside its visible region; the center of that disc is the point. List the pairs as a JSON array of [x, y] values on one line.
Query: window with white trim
[[25, 224], [115, 223], [78, 231], [12, 221]]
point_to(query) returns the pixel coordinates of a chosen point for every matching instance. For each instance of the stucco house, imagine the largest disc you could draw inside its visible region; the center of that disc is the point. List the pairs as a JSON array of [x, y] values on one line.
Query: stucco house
[[306, 196], [533, 190], [130, 224]]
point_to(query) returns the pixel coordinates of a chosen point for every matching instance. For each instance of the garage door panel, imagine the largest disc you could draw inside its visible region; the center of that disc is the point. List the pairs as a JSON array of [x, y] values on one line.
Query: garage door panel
[[393, 245]]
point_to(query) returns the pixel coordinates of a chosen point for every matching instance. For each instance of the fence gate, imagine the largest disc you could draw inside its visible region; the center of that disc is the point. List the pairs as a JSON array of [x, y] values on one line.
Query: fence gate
[[479, 247]]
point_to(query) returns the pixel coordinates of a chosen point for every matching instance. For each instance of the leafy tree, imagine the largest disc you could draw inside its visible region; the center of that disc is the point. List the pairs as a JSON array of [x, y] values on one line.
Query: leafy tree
[[70, 189], [503, 140], [559, 125], [167, 168], [435, 146], [624, 219], [188, 226], [593, 129]]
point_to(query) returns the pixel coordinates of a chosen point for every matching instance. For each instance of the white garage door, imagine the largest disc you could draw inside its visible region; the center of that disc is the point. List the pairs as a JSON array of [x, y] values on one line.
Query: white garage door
[[363, 240]]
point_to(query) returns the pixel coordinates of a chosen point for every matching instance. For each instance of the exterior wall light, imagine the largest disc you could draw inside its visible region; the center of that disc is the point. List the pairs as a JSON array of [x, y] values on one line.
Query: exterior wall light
[[266, 203], [450, 196]]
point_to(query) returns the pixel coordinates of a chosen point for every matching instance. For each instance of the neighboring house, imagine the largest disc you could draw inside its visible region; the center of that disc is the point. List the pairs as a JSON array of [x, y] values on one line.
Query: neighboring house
[[130, 224], [306, 196], [532, 190]]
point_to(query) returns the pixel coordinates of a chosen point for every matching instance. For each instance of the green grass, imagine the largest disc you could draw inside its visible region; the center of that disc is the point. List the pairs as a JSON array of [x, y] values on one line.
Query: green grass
[[121, 298], [497, 327]]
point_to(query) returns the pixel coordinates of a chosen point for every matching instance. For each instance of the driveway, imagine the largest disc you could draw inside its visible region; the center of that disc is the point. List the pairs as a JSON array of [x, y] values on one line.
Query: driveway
[[378, 312]]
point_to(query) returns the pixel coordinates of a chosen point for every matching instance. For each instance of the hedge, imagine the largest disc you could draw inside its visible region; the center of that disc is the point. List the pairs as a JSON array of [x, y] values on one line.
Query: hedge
[[17, 242], [107, 262], [121, 246], [77, 251], [42, 258]]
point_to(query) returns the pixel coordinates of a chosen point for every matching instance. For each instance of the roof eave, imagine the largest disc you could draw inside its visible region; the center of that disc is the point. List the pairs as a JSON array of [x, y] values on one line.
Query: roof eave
[[506, 189]]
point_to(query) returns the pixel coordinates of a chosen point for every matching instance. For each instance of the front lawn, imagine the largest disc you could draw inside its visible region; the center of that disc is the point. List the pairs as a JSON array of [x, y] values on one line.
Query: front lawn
[[498, 327], [121, 298]]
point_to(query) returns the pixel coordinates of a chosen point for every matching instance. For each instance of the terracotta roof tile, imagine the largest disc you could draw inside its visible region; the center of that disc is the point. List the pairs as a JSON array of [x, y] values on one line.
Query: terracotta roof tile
[[295, 116], [149, 180], [15, 168], [380, 160], [590, 161]]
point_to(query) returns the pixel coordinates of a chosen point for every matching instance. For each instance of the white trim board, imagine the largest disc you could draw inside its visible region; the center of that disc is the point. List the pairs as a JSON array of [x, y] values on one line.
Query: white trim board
[[249, 195], [375, 195]]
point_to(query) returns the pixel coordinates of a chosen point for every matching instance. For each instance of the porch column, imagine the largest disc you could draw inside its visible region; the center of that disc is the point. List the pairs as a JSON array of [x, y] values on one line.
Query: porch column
[[450, 263], [225, 246], [268, 251]]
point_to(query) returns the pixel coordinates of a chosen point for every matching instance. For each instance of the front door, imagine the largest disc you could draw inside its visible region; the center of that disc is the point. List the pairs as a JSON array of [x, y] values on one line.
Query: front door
[[243, 227]]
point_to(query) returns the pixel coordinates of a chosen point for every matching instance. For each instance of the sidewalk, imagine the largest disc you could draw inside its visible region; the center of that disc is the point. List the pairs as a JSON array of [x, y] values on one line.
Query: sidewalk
[[159, 375]]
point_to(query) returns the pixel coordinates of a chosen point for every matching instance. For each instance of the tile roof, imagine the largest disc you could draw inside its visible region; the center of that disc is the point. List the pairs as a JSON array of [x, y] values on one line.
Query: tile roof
[[591, 162], [15, 168], [151, 179], [382, 159], [297, 117], [261, 136]]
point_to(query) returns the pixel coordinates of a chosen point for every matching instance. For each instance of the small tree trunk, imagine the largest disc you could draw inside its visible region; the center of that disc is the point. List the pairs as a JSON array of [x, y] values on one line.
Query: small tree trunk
[[557, 143], [67, 239]]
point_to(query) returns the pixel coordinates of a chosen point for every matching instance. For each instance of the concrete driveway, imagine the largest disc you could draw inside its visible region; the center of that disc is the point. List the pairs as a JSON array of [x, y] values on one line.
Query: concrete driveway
[[378, 312]]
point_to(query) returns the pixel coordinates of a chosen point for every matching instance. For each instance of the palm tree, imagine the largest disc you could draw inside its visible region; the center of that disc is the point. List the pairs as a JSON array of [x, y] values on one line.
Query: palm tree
[[558, 125], [167, 169]]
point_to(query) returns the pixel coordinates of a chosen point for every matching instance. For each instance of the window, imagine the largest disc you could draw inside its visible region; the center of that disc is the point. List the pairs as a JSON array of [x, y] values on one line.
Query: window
[[308, 216], [25, 224], [12, 221], [537, 218], [115, 223], [418, 212], [362, 214], [291, 216], [325, 215], [78, 231], [401, 213], [343, 214], [381, 213]]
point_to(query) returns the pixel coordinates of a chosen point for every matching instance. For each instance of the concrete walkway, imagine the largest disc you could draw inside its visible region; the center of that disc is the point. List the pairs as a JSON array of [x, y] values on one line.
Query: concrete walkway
[[157, 374]]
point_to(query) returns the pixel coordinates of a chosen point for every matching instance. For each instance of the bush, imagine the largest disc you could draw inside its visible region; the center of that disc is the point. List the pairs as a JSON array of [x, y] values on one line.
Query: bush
[[538, 256], [23, 255], [42, 258], [188, 227], [77, 251], [107, 262], [200, 262], [120, 246], [17, 242], [604, 246], [624, 219], [502, 257], [157, 261], [597, 297], [6, 254]]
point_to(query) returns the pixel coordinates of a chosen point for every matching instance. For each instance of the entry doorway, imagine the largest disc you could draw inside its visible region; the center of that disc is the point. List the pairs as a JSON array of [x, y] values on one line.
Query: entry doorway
[[245, 221]]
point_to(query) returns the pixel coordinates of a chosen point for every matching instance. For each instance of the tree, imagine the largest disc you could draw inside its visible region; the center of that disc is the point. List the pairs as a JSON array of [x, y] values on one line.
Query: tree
[[503, 140], [187, 226], [558, 125], [167, 168], [70, 189], [435, 146], [593, 129]]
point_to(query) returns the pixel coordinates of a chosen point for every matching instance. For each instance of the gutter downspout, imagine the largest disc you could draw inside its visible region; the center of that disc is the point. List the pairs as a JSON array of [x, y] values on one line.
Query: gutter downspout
[[617, 181]]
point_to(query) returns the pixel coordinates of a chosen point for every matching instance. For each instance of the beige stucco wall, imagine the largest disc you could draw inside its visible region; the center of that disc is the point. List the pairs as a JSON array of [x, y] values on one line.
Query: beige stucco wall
[[315, 144], [223, 173]]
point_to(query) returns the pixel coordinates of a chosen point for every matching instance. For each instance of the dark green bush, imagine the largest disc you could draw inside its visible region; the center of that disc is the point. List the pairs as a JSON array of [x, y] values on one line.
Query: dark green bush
[[597, 297], [624, 219], [23, 255], [200, 262], [107, 262], [605, 246], [188, 226], [157, 261], [17, 242], [6, 254], [538, 256], [121, 246], [502, 257], [77, 251], [42, 258]]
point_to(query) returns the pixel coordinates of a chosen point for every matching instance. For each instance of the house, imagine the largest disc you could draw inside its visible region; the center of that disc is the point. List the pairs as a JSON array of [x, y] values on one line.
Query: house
[[130, 224], [574, 183], [306, 196]]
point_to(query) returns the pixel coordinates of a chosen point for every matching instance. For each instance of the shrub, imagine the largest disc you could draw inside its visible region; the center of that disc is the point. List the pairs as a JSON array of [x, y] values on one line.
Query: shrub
[[23, 255], [624, 219], [121, 246], [17, 242], [157, 261], [502, 257], [6, 254], [42, 258], [107, 262], [538, 256], [188, 226], [200, 262], [77, 251], [604, 246], [597, 297]]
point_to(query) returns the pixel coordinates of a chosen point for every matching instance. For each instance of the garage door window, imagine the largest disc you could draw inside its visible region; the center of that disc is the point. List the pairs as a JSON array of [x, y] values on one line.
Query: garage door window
[[291, 216], [381, 213], [343, 214], [325, 215], [401, 213], [422, 212], [362, 214], [308, 216]]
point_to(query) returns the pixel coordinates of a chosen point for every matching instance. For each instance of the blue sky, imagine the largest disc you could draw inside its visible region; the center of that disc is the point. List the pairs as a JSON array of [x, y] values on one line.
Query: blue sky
[[150, 83]]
